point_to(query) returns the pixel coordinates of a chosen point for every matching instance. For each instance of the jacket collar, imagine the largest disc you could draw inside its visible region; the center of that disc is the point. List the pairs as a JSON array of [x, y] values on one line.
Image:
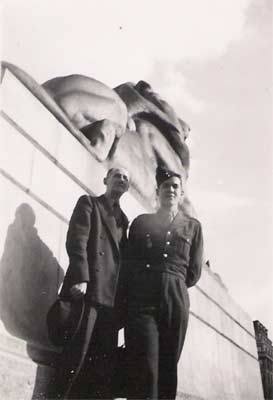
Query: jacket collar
[[179, 218]]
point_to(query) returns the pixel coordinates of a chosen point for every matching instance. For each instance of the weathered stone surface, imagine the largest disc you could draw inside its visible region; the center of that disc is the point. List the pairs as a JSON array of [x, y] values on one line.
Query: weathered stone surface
[[92, 107], [144, 105], [20, 377]]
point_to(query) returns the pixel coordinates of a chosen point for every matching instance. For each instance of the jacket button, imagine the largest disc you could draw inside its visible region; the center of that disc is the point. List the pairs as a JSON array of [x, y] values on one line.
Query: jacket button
[[147, 265], [165, 255], [101, 253], [168, 243]]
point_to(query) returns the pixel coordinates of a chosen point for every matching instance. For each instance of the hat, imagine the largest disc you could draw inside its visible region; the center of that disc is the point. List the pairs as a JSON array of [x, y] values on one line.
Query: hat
[[64, 319], [162, 174]]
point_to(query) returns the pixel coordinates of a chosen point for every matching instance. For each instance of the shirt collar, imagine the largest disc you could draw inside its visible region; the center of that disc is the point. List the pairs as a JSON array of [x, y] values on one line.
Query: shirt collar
[[167, 214]]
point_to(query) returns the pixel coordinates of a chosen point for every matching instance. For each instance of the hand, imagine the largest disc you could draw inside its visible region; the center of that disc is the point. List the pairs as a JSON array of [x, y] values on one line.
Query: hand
[[78, 290]]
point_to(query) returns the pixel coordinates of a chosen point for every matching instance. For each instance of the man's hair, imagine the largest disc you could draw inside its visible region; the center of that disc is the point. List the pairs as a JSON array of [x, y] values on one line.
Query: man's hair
[[110, 171]]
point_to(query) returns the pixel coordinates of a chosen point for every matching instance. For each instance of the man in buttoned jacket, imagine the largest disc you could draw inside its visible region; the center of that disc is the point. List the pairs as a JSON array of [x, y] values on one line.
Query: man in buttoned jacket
[[165, 259], [96, 237]]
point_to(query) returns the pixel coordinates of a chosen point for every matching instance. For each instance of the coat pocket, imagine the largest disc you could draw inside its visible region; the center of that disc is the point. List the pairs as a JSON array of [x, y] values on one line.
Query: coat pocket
[[183, 244]]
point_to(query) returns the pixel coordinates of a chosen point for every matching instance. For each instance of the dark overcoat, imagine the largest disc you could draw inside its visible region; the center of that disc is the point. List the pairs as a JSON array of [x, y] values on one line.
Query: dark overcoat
[[94, 257], [94, 251]]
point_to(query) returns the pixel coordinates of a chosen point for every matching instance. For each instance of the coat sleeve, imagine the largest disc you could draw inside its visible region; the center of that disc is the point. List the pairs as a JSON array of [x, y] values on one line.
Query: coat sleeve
[[133, 252], [77, 240], [196, 258]]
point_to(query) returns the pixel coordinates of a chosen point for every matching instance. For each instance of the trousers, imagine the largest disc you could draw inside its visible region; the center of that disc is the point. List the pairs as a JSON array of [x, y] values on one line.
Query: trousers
[[85, 369], [154, 337]]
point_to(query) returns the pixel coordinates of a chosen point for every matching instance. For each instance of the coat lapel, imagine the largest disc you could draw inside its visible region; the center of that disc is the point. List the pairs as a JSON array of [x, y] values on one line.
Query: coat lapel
[[108, 218]]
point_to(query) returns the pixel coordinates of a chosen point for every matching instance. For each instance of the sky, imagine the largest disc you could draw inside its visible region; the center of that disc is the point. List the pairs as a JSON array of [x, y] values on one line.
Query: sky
[[210, 59]]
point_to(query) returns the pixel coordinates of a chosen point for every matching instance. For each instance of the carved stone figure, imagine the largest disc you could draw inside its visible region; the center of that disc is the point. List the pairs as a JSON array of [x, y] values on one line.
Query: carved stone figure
[[130, 124], [102, 114], [145, 105], [133, 115], [92, 107]]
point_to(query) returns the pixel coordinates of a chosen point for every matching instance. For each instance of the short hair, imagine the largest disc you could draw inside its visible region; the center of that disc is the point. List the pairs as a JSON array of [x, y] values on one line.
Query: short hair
[[110, 171]]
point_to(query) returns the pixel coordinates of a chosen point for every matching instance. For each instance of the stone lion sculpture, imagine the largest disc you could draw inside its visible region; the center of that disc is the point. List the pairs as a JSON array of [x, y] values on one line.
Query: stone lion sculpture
[[103, 114], [94, 108], [147, 109]]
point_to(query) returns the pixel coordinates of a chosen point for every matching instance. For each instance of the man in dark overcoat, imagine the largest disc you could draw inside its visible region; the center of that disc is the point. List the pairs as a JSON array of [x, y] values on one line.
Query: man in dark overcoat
[[165, 259], [96, 238]]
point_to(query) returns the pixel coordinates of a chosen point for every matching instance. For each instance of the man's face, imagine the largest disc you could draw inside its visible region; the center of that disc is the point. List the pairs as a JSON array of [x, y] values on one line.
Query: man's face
[[117, 181], [170, 192]]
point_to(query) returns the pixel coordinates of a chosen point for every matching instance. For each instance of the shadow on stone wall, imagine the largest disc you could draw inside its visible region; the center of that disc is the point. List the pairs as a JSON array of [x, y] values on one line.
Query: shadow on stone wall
[[30, 276]]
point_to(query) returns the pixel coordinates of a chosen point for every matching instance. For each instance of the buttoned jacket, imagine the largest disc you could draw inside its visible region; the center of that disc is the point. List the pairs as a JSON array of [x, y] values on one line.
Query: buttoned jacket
[[93, 250], [176, 248]]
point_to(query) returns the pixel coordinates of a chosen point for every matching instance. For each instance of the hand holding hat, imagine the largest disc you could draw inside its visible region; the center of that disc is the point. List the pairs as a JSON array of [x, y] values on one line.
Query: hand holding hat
[[78, 290], [64, 320]]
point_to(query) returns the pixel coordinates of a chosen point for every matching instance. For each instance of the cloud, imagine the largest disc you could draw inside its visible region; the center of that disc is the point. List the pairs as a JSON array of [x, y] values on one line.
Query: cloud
[[254, 296], [215, 202], [170, 82], [117, 41]]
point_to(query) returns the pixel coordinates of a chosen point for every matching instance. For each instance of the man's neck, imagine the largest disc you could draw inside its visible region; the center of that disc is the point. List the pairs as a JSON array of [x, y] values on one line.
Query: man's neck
[[165, 211], [112, 198]]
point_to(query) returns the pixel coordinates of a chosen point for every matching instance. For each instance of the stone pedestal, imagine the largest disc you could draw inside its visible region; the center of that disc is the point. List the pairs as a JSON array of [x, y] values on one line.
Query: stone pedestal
[[43, 171]]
